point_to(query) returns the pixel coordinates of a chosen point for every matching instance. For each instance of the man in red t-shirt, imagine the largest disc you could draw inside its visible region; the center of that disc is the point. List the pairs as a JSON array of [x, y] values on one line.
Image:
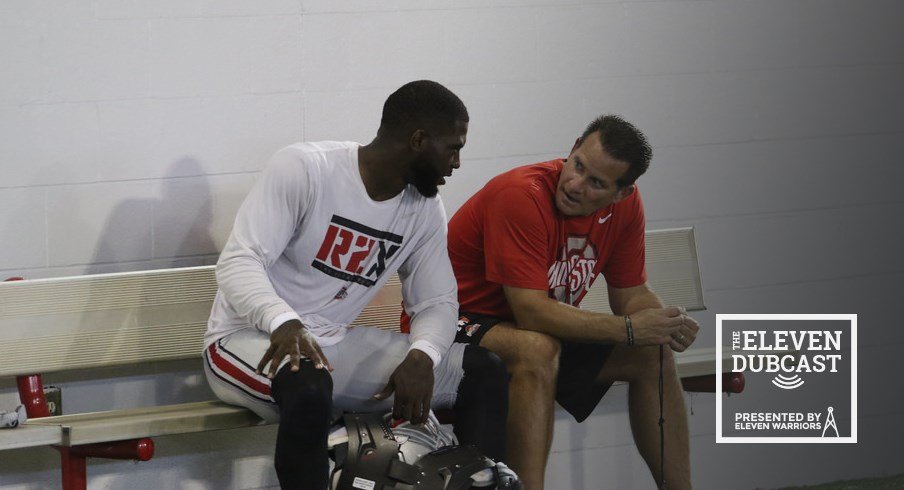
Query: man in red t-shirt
[[525, 249]]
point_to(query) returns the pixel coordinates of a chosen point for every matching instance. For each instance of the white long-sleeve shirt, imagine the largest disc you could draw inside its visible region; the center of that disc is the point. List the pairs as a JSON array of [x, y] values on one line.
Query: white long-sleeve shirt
[[310, 244]]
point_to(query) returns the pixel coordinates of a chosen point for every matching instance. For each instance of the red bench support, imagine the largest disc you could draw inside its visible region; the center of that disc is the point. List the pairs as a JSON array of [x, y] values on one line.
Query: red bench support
[[731, 383], [73, 460]]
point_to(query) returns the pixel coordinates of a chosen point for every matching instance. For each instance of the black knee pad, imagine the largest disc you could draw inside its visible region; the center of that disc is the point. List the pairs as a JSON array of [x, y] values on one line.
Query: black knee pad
[[305, 396], [486, 368], [482, 404], [305, 400]]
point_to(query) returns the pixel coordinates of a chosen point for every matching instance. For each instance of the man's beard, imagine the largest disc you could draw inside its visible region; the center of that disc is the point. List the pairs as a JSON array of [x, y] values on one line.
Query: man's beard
[[424, 178]]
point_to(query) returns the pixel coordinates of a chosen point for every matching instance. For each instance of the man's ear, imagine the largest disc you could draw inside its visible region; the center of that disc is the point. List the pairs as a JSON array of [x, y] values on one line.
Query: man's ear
[[624, 192], [418, 140]]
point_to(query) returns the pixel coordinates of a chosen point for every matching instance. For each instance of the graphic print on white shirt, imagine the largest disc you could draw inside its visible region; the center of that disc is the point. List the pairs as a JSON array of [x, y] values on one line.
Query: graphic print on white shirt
[[348, 244], [310, 244]]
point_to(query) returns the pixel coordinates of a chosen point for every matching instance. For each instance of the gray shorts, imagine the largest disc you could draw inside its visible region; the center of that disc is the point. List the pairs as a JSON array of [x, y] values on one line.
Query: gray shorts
[[362, 363]]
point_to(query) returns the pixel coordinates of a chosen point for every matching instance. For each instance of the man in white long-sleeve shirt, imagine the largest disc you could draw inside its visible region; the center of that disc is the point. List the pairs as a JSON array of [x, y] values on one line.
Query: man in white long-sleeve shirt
[[323, 229]]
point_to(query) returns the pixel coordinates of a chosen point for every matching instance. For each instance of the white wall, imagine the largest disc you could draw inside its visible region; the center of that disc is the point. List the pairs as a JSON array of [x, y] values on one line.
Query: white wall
[[130, 132]]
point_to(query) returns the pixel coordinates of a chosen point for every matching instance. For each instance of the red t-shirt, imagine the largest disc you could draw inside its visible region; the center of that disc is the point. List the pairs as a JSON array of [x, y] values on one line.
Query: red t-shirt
[[511, 233]]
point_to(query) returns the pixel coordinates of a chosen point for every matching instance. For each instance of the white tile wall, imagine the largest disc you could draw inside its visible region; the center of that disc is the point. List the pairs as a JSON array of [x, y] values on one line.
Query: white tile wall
[[813, 245], [876, 368], [275, 55], [772, 176], [23, 231], [525, 110], [755, 35], [667, 37], [136, 9], [130, 132], [343, 116], [198, 56], [146, 139], [48, 144], [339, 50], [194, 215], [16, 11], [479, 49], [91, 59], [864, 296], [24, 77], [580, 42], [840, 32], [99, 223]]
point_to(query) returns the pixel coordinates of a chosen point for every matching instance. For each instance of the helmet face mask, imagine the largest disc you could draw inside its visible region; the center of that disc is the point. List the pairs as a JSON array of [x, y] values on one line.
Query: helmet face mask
[[409, 457], [416, 441]]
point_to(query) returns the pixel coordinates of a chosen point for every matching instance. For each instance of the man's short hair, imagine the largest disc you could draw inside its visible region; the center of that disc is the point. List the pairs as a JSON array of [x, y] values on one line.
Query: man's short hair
[[419, 104], [622, 141]]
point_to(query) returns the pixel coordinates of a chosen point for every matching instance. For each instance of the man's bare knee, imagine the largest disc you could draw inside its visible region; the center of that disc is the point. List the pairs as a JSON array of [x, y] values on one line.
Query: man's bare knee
[[529, 353], [538, 348]]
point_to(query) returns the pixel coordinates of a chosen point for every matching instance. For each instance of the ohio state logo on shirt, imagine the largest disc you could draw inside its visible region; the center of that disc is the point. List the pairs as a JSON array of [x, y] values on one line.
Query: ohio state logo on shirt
[[570, 276], [354, 252]]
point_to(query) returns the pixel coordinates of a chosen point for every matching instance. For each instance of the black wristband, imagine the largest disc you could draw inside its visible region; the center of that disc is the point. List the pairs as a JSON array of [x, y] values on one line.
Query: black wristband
[[629, 329]]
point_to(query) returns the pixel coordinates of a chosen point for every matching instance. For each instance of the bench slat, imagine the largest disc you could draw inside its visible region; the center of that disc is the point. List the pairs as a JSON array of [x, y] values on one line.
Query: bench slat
[[29, 436], [672, 272], [105, 348], [100, 292], [133, 423], [701, 362]]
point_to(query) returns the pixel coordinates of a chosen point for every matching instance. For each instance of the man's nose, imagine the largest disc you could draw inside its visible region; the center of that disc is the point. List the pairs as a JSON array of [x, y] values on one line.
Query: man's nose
[[575, 185]]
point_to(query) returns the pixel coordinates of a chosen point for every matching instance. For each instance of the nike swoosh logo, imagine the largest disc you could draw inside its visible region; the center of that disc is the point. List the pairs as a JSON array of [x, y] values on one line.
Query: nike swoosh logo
[[603, 220]]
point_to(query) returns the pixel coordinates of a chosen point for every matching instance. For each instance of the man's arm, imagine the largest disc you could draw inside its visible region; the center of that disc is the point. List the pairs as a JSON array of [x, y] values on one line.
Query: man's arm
[[263, 227], [652, 324], [627, 301], [430, 297], [633, 300], [429, 290]]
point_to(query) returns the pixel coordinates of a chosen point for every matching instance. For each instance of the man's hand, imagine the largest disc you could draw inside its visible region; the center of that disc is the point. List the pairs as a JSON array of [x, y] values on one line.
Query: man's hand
[[686, 334], [412, 383], [291, 339], [659, 326]]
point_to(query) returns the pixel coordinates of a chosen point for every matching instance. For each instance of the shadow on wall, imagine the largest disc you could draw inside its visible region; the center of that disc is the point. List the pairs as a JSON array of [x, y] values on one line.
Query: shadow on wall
[[184, 216], [179, 231]]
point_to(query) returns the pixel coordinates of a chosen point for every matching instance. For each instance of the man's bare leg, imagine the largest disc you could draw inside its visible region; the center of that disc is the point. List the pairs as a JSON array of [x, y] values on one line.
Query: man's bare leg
[[639, 366], [532, 360]]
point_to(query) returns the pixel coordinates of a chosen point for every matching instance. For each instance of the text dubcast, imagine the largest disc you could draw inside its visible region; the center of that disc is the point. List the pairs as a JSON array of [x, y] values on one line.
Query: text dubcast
[[799, 373]]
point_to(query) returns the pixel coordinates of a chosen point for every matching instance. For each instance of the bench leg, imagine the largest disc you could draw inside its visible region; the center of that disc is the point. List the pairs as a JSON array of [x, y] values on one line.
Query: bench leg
[[74, 471], [73, 460], [31, 394]]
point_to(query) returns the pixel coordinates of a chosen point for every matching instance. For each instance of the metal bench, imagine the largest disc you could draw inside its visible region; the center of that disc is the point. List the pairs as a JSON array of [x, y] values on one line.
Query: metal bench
[[103, 320]]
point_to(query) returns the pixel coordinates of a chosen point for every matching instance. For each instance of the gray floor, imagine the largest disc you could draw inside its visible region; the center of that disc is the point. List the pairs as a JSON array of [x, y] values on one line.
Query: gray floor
[[890, 483]]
